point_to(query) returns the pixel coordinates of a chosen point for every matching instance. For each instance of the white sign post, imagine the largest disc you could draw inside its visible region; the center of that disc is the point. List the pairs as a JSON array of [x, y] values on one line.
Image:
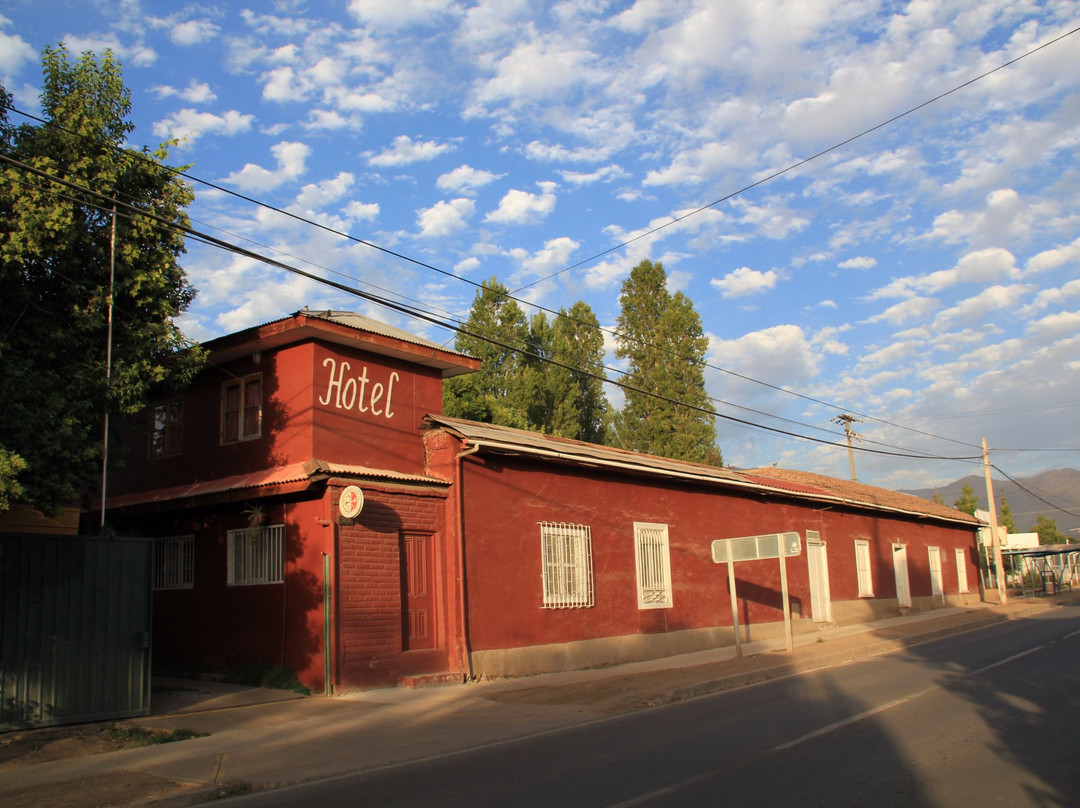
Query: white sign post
[[753, 548]]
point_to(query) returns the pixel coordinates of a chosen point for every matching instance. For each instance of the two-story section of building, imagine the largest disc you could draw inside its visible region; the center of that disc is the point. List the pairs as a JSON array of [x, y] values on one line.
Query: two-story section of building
[[313, 508]]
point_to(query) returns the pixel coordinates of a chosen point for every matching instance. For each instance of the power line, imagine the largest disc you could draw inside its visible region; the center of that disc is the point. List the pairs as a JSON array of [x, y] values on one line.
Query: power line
[[627, 242], [425, 265], [417, 313]]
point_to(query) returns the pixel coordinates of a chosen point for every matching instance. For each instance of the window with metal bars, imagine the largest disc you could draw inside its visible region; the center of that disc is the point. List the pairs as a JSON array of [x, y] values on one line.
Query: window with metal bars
[[257, 555], [652, 555], [566, 565], [174, 562]]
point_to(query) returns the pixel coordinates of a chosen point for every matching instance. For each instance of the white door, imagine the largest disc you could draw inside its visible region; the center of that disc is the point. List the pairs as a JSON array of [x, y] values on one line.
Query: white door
[[818, 563], [903, 587], [936, 587], [961, 571]]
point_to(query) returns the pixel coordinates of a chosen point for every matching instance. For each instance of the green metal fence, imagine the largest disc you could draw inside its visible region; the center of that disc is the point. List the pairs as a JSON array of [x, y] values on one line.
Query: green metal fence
[[75, 618]]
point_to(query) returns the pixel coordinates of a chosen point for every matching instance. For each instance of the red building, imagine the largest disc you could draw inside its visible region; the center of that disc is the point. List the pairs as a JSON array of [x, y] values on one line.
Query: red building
[[314, 509]]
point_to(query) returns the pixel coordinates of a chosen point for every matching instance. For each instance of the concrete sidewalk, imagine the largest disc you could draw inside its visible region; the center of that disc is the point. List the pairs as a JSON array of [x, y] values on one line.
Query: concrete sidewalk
[[262, 738]]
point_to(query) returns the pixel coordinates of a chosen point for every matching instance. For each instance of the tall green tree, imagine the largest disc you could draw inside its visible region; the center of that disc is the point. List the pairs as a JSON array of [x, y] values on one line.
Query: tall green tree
[[57, 251], [967, 502], [497, 333], [666, 410], [567, 373], [1048, 531]]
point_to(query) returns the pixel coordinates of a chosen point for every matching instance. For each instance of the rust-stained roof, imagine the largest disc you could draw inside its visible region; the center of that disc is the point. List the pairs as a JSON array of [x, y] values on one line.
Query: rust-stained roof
[[857, 492], [345, 328], [803, 485], [290, 475], [509, 440]]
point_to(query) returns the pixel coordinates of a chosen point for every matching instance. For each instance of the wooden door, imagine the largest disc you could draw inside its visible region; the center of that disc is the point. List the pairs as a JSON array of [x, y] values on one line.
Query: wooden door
[[418, 608]]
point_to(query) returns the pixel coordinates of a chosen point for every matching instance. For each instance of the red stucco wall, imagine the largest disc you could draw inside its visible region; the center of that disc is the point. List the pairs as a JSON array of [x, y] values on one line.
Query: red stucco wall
[[370, 619], [504, 566]]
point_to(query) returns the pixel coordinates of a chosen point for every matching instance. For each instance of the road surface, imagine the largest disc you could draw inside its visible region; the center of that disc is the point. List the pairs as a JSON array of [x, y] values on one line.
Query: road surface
[[984, 718]]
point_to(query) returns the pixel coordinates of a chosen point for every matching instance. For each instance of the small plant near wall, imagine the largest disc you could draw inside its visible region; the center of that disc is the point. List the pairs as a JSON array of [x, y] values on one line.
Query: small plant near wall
[[255, 518]]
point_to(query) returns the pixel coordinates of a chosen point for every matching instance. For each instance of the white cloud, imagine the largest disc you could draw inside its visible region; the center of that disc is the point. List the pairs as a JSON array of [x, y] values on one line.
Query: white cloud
[[186, 125], [995, 298], [404, 151], [14, 52], [1062, 324], [291, 159], [779, 355], [745, 281], [197, 92], [858, 262], [522, 207], [518, 77], [981, 266], [401, 13], [465, 179], [554, 255], [444, 218], [285, 84], [1054, 258], [914, 308], [608, 173], [361, 211], [320, 194], [193, 32]]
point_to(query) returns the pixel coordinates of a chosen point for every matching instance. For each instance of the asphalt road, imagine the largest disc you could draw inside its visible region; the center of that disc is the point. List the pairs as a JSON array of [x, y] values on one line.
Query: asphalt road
[[989, 717]]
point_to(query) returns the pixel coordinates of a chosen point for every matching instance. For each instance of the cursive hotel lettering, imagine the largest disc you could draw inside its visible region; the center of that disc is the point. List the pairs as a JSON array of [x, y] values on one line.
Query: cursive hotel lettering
[[352, 392]]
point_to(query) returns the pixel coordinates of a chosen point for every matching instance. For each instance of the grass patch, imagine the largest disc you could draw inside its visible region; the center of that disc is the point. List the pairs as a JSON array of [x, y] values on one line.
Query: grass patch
[[277, 677], [130, 736]]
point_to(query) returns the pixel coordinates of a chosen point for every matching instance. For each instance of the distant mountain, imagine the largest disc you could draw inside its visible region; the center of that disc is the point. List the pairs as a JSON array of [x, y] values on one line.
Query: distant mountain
[[1054, 494]]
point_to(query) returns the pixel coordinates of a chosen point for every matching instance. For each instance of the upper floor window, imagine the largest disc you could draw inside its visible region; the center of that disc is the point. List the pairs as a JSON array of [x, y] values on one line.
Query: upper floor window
[[566, 565], [653, 557], [167, 433], [241, 409]]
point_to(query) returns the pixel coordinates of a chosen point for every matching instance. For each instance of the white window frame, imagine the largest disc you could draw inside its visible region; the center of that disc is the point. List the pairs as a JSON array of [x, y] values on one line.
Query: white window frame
[[243, 432], [256, 555], [566, 565], [961, 570], [174, 563], [652, 559], [862, 568]]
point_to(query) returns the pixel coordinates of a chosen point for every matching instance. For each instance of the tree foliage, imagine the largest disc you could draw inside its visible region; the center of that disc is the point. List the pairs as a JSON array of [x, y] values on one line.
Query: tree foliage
[[660, 336], [496, 332], [1005, 517], [535, 374], [1048, 531], [967, 502], [57, 251]]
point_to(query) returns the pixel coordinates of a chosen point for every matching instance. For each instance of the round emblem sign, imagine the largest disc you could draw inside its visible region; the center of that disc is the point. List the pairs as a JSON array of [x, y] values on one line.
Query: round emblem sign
[[351, 501]]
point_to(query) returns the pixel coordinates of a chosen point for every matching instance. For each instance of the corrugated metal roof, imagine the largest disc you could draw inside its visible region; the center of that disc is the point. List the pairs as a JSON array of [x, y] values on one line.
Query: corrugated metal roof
[[522, 441], [282, 475], [363, 323], [853, 491], [795, 483]]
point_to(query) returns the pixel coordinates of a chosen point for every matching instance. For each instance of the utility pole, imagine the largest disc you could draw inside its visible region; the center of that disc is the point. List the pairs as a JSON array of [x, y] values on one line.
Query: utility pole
[[847, 421], [995, 542]]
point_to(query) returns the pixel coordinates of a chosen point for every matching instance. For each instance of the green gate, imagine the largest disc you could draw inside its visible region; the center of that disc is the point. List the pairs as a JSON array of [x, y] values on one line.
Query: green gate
[[75, 617]]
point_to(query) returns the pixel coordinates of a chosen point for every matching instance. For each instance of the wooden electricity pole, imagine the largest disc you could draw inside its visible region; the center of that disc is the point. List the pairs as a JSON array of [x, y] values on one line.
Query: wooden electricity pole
[[995, 541], [847, 421]]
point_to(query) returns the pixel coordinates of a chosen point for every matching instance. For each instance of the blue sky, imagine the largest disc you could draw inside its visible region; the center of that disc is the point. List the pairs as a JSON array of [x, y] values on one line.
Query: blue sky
[[923, 277]]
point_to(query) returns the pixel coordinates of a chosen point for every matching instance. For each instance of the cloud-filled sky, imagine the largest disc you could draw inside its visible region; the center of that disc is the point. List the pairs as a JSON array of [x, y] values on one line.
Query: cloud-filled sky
[[923, 276]]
